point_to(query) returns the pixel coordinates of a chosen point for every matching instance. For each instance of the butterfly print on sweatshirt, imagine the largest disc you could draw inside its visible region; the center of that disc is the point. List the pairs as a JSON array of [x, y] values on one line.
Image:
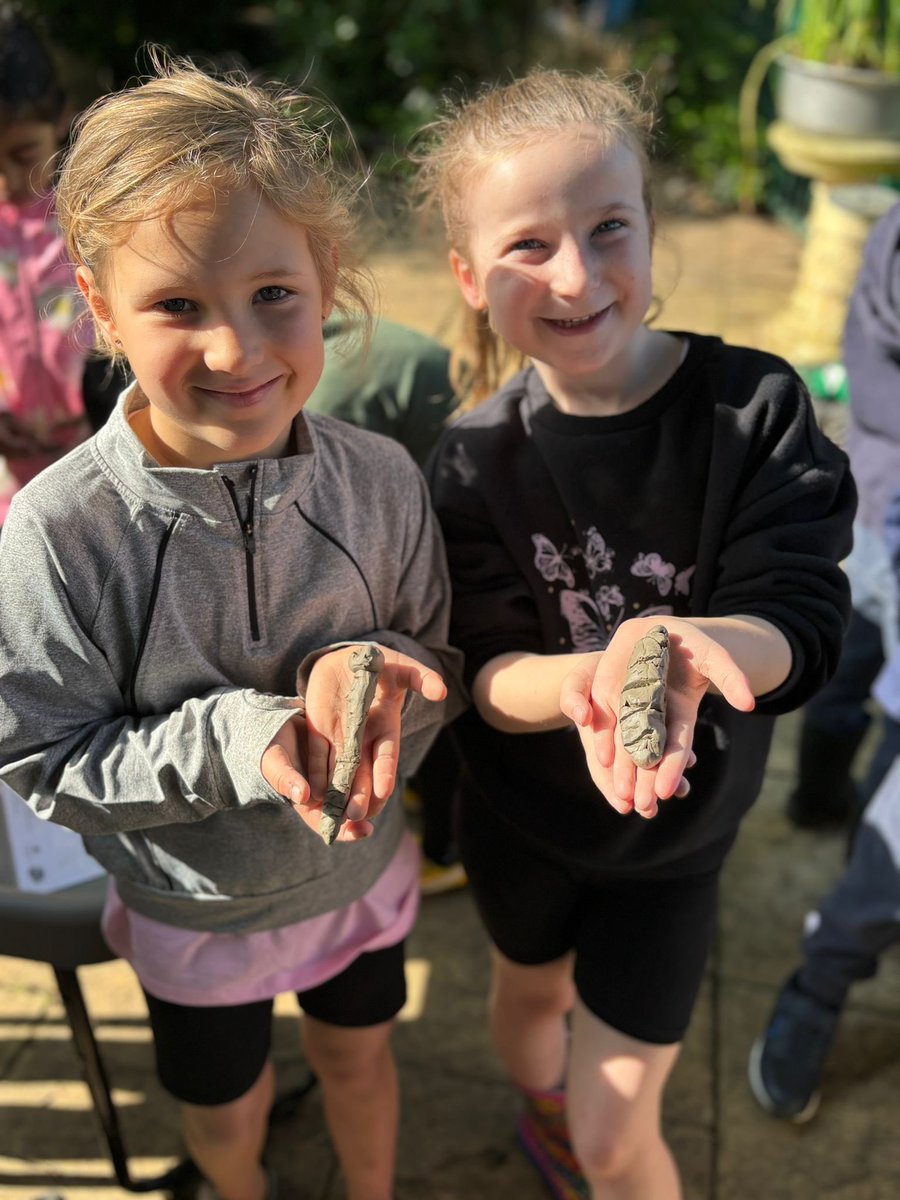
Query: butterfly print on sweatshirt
[[593, 613]]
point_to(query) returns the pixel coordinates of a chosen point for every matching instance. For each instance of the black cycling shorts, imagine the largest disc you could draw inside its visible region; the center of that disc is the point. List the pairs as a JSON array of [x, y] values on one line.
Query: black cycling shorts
[[640, 945], [212, 1055]]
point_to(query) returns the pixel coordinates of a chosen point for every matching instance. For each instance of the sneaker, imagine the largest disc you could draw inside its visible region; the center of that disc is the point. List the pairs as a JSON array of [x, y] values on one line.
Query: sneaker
[[824, 810], [435, 878], [787, 1062], [542, 1133]]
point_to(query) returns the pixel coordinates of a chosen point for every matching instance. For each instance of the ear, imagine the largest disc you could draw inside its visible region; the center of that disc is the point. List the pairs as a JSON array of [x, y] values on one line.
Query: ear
[[84, 277], [468, 284]]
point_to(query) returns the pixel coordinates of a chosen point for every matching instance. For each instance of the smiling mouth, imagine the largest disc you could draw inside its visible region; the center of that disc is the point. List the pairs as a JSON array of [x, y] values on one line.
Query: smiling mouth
[[241, 395], [575, 322]]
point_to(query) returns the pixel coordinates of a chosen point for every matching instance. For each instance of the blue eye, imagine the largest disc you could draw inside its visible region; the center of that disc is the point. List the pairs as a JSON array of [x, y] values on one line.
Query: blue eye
[[528, 244], [610, 226], [176, 305], [271, 293]]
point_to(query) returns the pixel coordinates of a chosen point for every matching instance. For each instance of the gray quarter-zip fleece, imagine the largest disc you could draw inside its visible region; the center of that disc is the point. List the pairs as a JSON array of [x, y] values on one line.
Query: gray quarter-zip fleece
[[152, 621]]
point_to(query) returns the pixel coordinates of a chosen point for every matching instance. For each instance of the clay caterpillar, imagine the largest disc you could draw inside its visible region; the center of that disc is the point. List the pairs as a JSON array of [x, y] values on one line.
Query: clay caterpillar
[[642, 709]]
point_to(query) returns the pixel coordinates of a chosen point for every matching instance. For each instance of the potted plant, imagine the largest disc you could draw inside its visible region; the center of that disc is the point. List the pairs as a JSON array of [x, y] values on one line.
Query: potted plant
[[838, 67]]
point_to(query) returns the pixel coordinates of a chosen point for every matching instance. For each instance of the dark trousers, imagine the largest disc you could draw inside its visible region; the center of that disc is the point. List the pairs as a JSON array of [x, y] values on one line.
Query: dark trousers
[[860, 917], [841, 707]]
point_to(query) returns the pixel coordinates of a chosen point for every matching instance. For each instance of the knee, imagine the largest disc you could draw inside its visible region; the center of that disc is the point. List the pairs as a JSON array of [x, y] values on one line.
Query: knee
[[344, 1056], [611, 1143], [533, 998]]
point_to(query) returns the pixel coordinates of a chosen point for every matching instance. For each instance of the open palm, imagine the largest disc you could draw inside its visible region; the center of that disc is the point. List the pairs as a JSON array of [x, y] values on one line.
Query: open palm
[[591, 699]]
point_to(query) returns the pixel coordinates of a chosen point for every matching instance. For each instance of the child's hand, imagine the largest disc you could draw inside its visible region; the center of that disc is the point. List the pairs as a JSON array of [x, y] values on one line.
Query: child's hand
[[282, 766], [591, 701], [329, 683]]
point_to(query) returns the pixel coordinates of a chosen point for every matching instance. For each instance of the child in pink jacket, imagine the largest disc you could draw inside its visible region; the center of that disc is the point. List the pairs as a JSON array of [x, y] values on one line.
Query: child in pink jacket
[[42, 364]]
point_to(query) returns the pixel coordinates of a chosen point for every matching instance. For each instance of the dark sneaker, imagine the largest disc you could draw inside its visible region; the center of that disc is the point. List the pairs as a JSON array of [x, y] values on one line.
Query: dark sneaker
[[823, 809], [787, 1062]]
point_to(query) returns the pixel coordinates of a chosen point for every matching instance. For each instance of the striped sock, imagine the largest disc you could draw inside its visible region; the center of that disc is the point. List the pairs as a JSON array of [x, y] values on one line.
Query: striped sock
[[543, 1134]]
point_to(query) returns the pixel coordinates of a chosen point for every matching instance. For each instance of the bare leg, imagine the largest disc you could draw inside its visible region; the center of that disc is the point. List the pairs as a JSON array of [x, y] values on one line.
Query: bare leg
[[356, 1071], [528, 1007], [615, 1093], [226, 1141]]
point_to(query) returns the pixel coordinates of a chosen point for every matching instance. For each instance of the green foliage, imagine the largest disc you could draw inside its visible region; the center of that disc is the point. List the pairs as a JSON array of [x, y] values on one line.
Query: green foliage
[[850, 33], [101, 39], [695, 56], [383, 63], [386, 62]]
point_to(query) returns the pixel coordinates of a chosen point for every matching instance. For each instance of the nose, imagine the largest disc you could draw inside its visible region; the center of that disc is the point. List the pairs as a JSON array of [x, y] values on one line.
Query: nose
[[572, 269], [231, 347]]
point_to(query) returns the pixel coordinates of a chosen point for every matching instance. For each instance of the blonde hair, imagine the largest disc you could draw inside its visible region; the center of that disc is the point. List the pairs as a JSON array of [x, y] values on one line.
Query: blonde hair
[[150, 150], [469, 135]]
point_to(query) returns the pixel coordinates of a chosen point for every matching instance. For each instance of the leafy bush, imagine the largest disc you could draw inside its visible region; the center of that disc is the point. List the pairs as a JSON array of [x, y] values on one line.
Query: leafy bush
[[384, 63], [849, 33], [695, 56]]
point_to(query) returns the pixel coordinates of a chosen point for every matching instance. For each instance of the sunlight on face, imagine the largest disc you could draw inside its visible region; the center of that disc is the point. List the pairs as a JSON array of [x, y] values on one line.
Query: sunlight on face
[[559, 253], [219, 309]]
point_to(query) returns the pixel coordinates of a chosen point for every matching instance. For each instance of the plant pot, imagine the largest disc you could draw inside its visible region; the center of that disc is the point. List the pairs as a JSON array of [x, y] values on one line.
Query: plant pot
[[850, 102]]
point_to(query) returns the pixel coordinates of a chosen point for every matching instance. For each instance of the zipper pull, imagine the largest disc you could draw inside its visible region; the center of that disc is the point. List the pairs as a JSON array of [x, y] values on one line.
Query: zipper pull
[[248, 527]]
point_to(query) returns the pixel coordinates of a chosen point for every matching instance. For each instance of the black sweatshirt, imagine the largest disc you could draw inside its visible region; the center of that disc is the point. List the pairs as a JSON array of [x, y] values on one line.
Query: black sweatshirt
[[717, 496]]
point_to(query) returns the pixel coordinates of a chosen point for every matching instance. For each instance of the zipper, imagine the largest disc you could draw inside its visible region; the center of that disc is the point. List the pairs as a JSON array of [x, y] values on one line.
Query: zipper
[[248, 533], [148, 616]]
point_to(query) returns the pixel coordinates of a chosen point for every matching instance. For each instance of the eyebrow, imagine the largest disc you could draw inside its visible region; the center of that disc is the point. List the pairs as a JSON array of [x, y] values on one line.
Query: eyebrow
[[277, 273], [188, 283], [591, 209]]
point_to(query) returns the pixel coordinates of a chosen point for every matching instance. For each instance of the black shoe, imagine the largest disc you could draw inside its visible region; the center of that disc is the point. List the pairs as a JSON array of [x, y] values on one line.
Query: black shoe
[[787, 1062], [825, 794], [829, 809]]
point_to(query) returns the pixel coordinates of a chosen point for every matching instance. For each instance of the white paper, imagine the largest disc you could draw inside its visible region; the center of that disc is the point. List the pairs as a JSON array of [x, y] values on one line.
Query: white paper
[[45, 857]]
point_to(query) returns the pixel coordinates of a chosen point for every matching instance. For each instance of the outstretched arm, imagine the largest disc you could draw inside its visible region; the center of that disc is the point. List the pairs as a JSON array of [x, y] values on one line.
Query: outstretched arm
[[738, 657]]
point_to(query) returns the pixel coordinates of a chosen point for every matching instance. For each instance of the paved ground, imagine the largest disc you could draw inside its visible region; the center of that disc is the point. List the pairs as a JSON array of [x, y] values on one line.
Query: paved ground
[[730, 276]]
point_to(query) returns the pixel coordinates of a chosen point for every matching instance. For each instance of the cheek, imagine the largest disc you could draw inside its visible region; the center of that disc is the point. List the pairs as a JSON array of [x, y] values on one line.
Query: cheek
[[289, 329], [162, 358], [636, 275], [508, 293]]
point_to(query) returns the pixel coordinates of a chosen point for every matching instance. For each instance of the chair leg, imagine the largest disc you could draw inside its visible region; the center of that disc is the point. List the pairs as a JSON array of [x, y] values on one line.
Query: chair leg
[[98, 1084], [95, 1076]]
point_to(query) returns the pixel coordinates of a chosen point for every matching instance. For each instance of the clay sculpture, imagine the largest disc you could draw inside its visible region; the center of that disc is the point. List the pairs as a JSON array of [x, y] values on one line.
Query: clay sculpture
[[642, 710], [366, 663]]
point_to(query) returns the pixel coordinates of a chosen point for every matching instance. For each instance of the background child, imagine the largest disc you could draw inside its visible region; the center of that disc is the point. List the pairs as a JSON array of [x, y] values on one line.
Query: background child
[[161, 585], [860, 916], [628, 477], [837, 720], [41, 365]]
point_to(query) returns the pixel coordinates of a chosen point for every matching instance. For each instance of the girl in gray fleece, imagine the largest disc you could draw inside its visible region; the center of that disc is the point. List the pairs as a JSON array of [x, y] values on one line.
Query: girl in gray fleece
[[179, 599]]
